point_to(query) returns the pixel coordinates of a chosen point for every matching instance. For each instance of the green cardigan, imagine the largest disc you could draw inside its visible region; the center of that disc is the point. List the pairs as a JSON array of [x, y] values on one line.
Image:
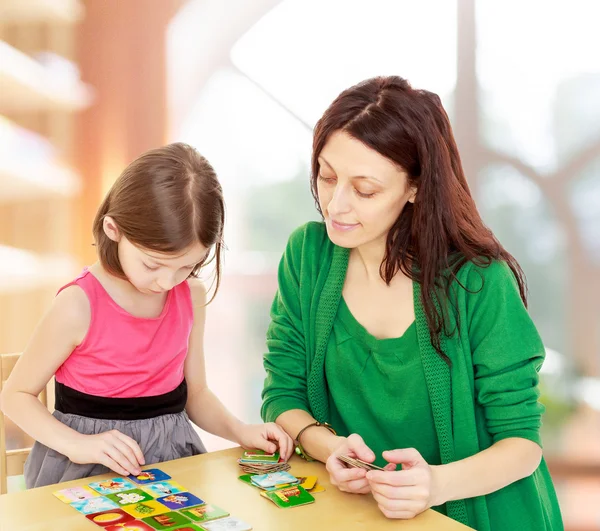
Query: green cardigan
[[489, 393]]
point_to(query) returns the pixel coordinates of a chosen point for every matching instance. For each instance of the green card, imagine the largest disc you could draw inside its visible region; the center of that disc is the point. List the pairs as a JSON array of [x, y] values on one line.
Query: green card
[[204, 513], [166, 521], [292, 496], [127, 497]]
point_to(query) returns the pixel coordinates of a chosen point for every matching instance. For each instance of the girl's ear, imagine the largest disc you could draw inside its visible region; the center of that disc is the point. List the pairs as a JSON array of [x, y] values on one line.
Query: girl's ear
[[111, 229], [413, 194]]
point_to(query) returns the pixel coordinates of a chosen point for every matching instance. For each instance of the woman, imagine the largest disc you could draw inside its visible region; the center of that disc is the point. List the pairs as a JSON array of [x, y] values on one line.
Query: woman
[[400, 333]]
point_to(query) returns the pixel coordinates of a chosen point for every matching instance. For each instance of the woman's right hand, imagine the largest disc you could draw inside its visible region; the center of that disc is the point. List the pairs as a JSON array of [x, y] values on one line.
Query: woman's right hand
[[350, 479], [112, 449]]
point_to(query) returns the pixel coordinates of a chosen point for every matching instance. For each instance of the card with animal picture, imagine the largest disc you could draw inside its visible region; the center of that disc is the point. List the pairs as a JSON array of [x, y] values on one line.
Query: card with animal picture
[[180, 500], [150, 476], [168, 520], [276, 478], [135, 525], [227, 524], [204, 513], [163, 488], [247, 478], [289, 496], [97, 504], [127, 497], [75, 494], [112, 486], [112, 517], [145, 509]]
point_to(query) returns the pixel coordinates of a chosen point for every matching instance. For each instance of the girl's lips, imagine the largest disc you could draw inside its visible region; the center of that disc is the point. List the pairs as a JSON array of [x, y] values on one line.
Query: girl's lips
[[343, 226]]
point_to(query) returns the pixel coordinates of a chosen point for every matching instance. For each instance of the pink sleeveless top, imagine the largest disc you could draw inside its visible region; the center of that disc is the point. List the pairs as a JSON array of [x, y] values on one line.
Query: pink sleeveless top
[[123, 356]]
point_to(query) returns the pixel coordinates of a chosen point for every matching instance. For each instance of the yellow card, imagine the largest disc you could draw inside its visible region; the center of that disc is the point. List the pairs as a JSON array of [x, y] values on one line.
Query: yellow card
[[308, 482], [317, 488], [144, 509], [75, 494]]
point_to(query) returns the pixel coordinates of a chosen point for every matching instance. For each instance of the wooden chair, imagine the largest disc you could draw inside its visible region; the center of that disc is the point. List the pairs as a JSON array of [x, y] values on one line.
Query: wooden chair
[[12, 461]]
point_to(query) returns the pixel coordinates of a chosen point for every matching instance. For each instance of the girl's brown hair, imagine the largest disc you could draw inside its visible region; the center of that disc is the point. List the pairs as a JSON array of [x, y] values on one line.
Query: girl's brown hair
[[166, 200], [434, 237]]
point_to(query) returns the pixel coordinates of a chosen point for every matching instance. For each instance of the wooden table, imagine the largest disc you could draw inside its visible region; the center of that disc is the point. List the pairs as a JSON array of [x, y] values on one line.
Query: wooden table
[[213, 477]]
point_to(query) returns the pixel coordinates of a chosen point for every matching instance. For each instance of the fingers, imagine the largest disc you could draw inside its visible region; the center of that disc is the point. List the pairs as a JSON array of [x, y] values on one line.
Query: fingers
[[111, 463], [139, 456], [357, 446], [399, 478], [128, 458]]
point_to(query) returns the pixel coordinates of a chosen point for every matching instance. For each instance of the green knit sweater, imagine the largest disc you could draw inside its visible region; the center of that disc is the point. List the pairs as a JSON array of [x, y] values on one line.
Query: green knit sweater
[[488, 393]]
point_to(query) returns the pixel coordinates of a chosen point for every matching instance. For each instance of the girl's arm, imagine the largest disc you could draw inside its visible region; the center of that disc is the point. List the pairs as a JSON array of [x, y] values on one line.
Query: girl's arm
[[62, 328], [205, 409]]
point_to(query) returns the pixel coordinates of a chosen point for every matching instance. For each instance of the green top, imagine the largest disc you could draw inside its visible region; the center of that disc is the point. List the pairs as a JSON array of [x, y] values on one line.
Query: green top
[[364, 374], [490, 391]]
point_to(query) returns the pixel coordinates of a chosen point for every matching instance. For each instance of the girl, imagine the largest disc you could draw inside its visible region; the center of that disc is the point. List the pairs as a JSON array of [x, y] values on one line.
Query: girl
[[124, 339], [399, 333]]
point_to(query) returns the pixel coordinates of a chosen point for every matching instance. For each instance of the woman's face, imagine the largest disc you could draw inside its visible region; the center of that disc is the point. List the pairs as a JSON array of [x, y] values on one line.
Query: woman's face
[[361, 193]]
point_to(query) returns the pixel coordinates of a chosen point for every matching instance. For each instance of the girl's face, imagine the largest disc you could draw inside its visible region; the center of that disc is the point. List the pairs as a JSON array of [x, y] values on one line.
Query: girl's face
[[151, 272], [361, 193]]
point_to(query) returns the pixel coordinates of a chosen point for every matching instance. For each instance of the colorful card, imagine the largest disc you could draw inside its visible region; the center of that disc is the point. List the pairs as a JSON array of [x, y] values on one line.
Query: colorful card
[[134, 525], [204, 513], [289, 496], [127, 497], [247, 478], [150, 476], [94, 505], [308, 482], [112, 486], [188, 527], [180, 500], [258, 456], [75, 494], [168, 520], [110, 518], [274, 479], [145, 509], [317, 488], [227, 524], [163, 488]]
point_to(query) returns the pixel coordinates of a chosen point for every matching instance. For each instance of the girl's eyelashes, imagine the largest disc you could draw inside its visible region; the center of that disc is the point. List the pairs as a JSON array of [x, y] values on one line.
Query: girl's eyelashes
[[149, 268]]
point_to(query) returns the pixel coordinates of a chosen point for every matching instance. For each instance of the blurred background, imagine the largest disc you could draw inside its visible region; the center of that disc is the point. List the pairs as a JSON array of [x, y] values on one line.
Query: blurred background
[[87, 86]]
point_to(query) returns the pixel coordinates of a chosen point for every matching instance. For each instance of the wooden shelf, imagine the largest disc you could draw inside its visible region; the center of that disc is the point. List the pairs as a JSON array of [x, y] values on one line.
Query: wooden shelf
[[23, 270], [33, 11], [27, 85]]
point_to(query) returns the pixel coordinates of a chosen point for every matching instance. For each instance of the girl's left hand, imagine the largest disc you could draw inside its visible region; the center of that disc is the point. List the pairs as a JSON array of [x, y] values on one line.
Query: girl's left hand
[[267, 437], [404, 493]]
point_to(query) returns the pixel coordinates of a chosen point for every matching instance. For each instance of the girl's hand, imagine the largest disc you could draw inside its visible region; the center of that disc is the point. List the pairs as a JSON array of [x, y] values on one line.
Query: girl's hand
[[350, 479], [112, 449], [404, 493], [268, 437]]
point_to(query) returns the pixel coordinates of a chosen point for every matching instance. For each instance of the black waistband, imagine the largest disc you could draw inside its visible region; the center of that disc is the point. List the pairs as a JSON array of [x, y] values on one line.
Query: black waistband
[[69, 400]]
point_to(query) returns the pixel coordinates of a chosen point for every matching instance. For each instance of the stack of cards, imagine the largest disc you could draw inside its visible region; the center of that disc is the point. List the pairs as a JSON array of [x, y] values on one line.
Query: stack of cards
[[357, 463], [147, 502], [259, 462]]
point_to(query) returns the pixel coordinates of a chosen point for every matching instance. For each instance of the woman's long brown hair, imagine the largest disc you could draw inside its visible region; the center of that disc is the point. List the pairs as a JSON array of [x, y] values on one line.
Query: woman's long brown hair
[[434, 237]]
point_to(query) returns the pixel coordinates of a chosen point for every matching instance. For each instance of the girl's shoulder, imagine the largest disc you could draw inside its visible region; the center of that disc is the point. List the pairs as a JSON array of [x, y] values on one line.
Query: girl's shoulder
[[71, 311], [197, 291]]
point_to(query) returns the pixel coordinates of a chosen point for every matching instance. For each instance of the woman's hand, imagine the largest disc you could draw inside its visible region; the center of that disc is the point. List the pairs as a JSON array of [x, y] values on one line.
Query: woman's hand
[[404, 493], [350, 479], [112, 449], [268, 437]]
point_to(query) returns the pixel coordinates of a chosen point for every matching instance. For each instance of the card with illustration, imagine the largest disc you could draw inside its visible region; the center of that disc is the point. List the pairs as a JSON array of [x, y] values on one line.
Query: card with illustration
[[188, 527], [75, 494], [227, 524], [168, 520], [150, 476], [145, 509], [127, 497], [258, 456], [276, 478], [163, 488], [108, 518], [247, 478], [289, 496], [204, 513], [180, 500], [97, 504], [135, 525], [308, 482], [112, 486]]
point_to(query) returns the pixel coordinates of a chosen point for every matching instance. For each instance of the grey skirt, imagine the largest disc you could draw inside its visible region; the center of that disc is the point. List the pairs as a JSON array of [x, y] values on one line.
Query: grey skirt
[[160, 438]]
